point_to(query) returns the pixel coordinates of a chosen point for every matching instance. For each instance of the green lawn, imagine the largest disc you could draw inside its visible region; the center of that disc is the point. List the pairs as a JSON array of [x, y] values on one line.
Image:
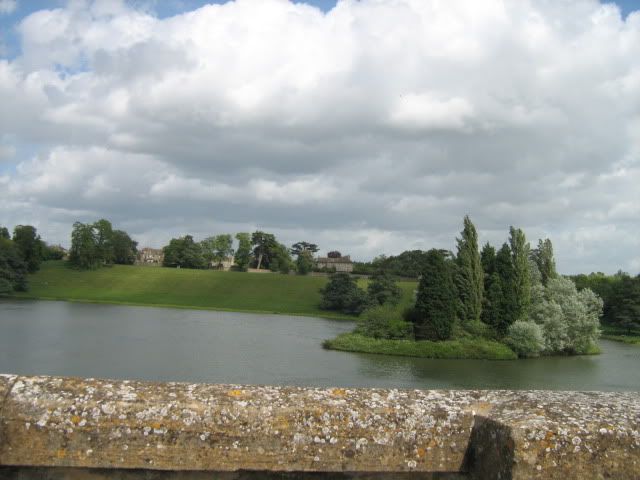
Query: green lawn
[[617, 334], [184, 288]]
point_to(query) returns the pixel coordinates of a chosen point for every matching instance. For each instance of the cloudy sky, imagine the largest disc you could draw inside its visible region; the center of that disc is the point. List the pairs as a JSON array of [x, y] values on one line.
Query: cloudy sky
[[368, 126]]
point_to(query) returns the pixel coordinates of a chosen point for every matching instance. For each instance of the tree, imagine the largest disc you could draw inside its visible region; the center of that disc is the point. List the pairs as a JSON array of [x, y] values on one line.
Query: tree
[[29, 246], [383, 289], [243, 253], [543, 258], [334, 254], [436, 302], [125, 250], [217, 248], [569, 318], [263, 248], [488, 260], [104, 241], [525, 338], [183, 252], [13, 269], [626, 310], [84, 252], [502, 292], [298, 248], [469, 274], [4, 233], [521, 276], [341, 293], [280, 259], [304, 262]]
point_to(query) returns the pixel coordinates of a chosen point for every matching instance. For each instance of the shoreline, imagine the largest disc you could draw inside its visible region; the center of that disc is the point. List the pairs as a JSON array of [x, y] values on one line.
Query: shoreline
[[175, 306]]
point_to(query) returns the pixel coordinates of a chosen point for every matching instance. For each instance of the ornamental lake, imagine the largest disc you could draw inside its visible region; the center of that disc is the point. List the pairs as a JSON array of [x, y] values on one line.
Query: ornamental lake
[[126, 342]]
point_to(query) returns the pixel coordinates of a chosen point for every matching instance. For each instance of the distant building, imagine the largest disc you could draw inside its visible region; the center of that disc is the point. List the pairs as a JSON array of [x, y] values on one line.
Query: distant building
[[340, 264], [225, 264], [150, 256]]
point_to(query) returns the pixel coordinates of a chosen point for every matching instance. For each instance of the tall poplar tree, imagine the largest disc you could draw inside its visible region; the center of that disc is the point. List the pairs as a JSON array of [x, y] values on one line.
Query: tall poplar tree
[[543, 257], [469, 274], [521, 279]]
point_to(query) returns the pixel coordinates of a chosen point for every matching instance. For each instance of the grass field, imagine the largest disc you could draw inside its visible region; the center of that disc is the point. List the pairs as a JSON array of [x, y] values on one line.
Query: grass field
[[469, 348], [620, 335], [184, 288]]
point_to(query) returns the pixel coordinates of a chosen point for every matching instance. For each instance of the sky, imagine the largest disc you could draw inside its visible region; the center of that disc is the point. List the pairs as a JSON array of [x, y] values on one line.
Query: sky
[[369, 127]]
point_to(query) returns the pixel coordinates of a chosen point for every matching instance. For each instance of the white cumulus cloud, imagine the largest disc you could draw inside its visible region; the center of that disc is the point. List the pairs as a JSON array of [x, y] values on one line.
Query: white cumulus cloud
[[373, 127]]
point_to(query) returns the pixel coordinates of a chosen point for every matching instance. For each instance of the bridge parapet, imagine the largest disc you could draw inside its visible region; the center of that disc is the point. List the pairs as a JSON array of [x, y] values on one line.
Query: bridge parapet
[[65, 425]]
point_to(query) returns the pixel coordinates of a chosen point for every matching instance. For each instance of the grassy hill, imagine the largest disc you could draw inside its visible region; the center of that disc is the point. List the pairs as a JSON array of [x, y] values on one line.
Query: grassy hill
[[183, 288]]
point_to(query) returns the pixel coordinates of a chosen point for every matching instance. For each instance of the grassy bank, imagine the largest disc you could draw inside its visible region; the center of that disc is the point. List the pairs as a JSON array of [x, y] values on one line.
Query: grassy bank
[[620, 335], [469, 348], [184, 288]]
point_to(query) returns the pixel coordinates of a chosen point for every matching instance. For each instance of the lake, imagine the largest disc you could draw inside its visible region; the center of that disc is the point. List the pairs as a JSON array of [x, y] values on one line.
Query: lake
[[126, 342]]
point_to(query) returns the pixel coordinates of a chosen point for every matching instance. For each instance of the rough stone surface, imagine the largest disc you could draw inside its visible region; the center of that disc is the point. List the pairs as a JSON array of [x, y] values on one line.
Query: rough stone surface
[[180, 427], [563, 435]]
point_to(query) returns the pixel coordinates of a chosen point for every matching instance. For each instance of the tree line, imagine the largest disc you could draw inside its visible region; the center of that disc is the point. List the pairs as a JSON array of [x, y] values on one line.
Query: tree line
[[512, 294], [21, 254], [97, 244], [259, 250], [621, 295]]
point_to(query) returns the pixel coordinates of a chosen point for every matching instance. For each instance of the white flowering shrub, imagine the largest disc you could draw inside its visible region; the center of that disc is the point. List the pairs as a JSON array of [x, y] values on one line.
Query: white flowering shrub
[[525, 338]]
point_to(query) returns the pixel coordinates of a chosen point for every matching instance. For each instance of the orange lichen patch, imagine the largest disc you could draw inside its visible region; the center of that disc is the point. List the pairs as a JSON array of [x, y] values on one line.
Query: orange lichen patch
[[234, 393], [549, 435], [156, 425], [61, 453], [339, 392], [481, 408], [75, 419], [420, 452]]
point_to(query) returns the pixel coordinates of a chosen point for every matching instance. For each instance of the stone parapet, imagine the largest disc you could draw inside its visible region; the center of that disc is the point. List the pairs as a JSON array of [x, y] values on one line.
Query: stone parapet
[[181, 429]]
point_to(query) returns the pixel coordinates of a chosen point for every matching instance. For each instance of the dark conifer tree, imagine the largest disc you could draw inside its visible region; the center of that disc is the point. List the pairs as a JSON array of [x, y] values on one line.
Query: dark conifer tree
[[436, 302], [507, 307]]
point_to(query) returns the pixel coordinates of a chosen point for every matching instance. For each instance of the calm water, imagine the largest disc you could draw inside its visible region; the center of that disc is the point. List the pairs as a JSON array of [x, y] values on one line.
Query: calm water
[[59, 338]]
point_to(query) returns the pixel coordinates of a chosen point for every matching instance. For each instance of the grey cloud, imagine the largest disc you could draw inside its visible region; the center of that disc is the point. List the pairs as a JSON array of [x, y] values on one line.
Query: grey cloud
[[373, 128]]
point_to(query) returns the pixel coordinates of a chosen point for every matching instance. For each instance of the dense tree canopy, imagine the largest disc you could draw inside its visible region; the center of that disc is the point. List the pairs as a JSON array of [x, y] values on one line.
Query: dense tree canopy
[[217, 248], [543, 258], [569, 318], [621, 296], [84, 252], [436, 301], [183, 252], [96, 244], [342, 294], [29, 246], [243, 252], [521, 276], [125, 250], [264, 248], [469, 276], [383, 289], [304, 262], [13, 269]]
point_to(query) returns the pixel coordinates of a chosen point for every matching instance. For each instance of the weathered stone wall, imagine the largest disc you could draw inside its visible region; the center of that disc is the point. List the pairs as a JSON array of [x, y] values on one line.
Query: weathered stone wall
[[77, 428]]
